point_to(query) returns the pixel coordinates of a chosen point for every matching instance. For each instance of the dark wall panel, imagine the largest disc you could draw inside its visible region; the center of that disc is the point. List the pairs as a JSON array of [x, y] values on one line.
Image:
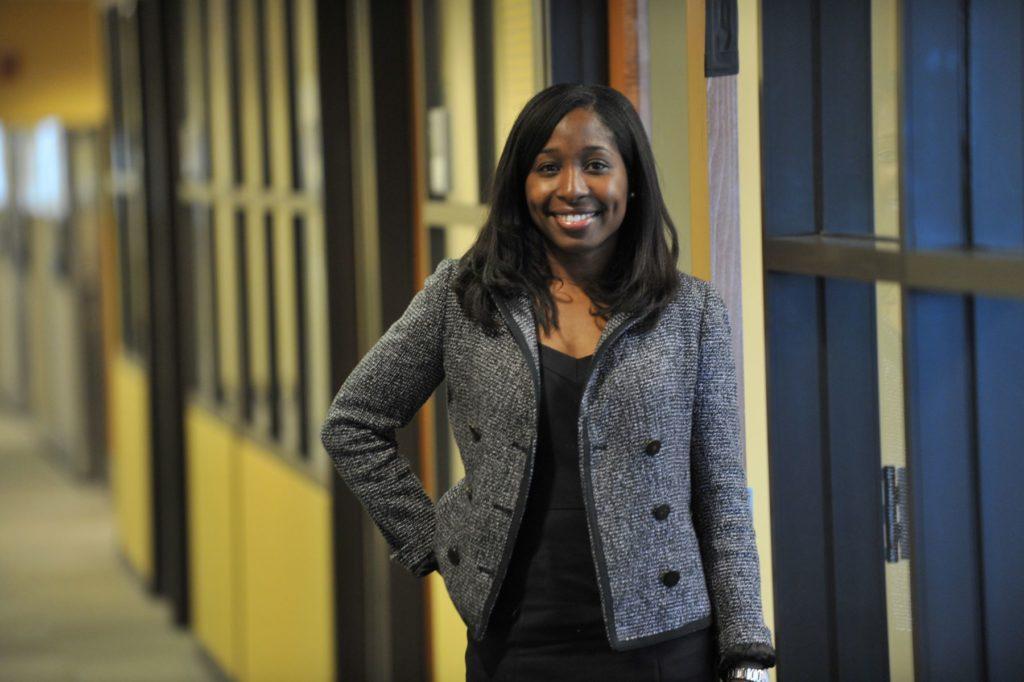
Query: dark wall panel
[[392, 103], [347, 528], [789, 140], [854, 469], [945, 542], [847, 193], [804, 619], [578, 39], [999, 325]]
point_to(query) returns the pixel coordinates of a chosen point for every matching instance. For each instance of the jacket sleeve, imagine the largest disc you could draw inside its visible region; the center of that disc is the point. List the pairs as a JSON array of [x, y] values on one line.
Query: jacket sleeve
[[381, 394], [721, 512]]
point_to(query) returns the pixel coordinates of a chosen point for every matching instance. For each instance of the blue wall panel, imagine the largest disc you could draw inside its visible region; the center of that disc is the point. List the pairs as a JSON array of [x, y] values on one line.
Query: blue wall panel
[[997, 123], [999, 325], [934, 124], [944, 505]]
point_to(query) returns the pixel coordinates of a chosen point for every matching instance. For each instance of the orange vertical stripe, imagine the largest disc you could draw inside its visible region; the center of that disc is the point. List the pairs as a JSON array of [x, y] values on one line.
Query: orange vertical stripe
[[425, 422], [623, 52]]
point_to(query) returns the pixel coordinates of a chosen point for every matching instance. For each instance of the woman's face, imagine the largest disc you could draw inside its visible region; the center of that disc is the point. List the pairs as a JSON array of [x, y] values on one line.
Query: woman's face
[[577, 188]]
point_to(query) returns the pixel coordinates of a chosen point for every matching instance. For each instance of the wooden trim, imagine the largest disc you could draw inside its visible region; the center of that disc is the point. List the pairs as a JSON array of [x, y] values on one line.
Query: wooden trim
[[962, 271], [623, 50], [421, 256], [629, 54]]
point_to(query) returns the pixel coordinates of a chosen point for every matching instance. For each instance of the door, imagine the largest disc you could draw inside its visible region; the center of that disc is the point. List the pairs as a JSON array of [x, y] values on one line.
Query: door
[[892, 157]]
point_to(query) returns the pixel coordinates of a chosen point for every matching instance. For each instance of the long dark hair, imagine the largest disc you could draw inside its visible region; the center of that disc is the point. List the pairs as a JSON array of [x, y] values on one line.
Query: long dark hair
[[508, 256]]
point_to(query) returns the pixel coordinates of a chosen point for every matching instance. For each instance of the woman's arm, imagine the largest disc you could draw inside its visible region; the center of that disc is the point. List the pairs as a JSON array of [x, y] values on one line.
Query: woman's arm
[[721, 512], [383, 393]]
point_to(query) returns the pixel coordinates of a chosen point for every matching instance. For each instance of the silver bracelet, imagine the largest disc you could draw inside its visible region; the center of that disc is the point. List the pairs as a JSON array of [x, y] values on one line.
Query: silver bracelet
[[751, 674]]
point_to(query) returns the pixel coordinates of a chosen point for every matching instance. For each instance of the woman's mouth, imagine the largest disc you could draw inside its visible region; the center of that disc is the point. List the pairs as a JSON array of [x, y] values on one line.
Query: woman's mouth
[[574, 221]]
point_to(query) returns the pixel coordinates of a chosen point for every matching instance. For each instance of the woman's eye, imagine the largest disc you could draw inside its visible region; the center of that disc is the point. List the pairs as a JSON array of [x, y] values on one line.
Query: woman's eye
[[546, 168], [598, 165]]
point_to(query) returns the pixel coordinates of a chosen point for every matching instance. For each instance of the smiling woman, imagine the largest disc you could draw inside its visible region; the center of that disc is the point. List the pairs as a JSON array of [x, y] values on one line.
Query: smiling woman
[[602, 530]]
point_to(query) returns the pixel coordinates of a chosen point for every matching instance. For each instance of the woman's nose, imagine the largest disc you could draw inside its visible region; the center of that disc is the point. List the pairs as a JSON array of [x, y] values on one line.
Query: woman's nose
[[571, 183]]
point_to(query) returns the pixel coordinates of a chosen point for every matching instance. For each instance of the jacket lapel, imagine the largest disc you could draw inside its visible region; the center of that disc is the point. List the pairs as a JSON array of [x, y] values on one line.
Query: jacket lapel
[[520, 311], [614, 322]]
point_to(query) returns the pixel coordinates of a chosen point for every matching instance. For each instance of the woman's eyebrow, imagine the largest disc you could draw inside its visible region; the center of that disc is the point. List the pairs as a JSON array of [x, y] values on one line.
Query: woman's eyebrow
[[588, 148]]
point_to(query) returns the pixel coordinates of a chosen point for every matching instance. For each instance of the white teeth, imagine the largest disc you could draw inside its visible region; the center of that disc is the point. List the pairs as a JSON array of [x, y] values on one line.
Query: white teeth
[[576, 217]]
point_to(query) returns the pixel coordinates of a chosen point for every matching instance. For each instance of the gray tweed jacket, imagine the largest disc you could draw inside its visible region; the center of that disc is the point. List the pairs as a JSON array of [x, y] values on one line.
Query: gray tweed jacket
[[669, 522]]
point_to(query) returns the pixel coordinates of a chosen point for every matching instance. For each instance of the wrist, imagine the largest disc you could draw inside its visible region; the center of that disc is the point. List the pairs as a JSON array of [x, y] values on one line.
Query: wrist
[[753, 655]]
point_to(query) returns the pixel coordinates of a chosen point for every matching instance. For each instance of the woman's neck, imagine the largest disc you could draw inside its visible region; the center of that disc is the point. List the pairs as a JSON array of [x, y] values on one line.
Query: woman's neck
[[577, 270]]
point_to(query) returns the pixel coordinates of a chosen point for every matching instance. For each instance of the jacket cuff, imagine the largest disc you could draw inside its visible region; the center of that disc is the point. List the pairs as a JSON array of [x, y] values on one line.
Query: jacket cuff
[[415, 557], [735, 655], [425, 567]]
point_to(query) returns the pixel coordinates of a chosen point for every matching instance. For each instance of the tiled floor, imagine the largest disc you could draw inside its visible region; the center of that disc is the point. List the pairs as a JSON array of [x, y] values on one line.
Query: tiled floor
[[69, 607]]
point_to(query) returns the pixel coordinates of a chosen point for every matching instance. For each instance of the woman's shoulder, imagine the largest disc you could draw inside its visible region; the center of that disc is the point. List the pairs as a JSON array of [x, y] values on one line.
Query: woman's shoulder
[[447, 266], [443, 273], [687, 280], [692, 292]]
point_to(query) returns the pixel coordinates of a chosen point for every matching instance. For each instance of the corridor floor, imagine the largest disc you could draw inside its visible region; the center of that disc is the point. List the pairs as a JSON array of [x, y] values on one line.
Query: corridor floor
[[69, 607]]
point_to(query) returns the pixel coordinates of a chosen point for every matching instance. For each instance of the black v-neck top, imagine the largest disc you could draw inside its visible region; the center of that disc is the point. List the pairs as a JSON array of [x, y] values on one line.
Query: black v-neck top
[[552, 568], [556, 474], [548, 615]]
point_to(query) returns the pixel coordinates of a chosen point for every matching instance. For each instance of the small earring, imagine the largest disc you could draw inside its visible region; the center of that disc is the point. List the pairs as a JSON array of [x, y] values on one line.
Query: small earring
[[632, 194]]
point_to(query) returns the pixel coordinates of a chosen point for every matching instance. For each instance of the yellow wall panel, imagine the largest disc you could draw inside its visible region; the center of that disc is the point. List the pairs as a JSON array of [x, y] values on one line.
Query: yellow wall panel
[[515, 68], [131, 473], [754, 370], [57, 55], [214, 566], [288, 578], [457, 83], [448, 634]]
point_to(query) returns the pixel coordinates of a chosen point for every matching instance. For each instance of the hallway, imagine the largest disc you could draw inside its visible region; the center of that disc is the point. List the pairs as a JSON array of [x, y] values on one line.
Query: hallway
[[69, 608]]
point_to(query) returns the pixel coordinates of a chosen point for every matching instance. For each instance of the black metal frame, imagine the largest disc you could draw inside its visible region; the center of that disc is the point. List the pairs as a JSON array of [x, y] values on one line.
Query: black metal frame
[[159, 23], [396, 198], [578, 39], [347, 527]]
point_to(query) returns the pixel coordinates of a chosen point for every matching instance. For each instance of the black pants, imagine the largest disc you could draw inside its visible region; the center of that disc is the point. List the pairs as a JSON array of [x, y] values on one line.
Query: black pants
[[502, 657]]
